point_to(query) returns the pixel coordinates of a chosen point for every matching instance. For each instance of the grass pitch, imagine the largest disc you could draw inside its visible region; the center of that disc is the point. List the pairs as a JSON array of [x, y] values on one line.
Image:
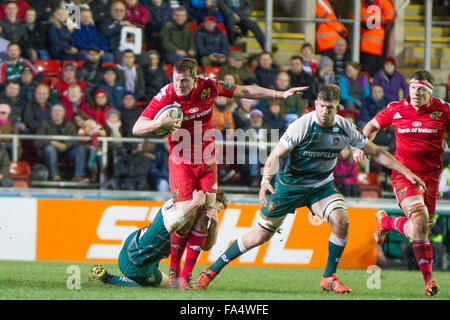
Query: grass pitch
[[46, 280]]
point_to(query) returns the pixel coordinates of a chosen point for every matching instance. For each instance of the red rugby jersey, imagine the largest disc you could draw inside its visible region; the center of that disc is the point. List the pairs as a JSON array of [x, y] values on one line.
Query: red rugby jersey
[[197, 108], [419, 134]]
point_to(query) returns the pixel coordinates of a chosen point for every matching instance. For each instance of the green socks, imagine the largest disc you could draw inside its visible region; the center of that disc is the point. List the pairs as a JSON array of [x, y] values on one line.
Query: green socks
[[235, 250], [335, 248]]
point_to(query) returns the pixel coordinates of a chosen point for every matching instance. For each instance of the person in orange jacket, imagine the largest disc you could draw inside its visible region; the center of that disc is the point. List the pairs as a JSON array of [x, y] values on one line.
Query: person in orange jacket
[[375, 16], [328, 32]]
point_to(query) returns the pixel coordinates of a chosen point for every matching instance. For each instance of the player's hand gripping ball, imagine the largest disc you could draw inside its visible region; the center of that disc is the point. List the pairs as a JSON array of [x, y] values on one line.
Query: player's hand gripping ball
[[171, 117]]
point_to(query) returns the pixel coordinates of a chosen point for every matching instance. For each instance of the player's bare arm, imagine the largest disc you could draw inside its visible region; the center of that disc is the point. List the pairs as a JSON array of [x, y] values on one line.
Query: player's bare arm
[[145, 126], [385, 158], [257, 92], [370, 130], [270, 168]]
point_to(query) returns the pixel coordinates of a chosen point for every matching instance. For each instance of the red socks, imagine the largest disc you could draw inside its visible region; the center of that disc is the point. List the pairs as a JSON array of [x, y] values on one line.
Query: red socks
[[424, 257], [397, 224], [177, 246], [193, 249]]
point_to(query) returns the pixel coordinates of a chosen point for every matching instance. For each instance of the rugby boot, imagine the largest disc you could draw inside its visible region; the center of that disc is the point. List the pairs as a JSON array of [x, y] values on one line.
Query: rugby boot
[[99, 272], [334, 284], [380, 233], [204, 279], [432, 288]]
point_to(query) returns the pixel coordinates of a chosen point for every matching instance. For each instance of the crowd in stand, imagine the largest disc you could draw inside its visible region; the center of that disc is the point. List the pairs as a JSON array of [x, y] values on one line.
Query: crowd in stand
[[104, 83]]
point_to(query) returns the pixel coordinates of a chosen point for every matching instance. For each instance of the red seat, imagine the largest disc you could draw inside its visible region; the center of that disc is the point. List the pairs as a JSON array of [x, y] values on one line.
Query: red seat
[[50, 68], [192, 26], [221, 26], [109, 64], [20, 173], [50, 81], [212, 72], [369, 185], [235, 48]]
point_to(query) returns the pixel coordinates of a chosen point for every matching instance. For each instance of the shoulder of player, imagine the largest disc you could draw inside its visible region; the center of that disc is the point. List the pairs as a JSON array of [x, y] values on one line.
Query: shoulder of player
[[441, 103]]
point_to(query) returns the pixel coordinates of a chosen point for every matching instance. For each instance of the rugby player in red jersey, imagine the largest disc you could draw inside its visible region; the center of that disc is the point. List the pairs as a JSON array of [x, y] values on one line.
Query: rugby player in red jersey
[[192, 163], [420, 122]]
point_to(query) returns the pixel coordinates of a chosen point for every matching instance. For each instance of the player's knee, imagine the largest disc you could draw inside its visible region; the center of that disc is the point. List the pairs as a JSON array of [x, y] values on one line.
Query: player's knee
[[418, 215], [339, 222]]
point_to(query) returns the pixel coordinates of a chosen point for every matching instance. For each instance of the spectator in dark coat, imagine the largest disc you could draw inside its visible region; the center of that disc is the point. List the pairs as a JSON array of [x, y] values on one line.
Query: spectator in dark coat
[[114, 89], [129, 114], [241, 116], [88, 36], [37, 36], [160, 13], [266, 72], [299, 78], [61, 37], [154, 74], [44, 9], [273, 117], [211, 43], [340, 54], [391, 80], [101, 9], [236, 65], [28, 85], [13, 29], [38, 109], [91, 73], [159, 168], [11, 96]]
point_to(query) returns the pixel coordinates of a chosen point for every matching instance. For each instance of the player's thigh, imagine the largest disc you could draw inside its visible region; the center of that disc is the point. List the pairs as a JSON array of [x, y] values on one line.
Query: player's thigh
[[325, 201], [148, 276], [182, 181], [206, 180]]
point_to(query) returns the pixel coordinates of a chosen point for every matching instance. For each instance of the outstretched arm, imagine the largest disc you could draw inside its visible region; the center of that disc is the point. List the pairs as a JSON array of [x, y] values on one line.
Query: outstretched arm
[[257, 92]]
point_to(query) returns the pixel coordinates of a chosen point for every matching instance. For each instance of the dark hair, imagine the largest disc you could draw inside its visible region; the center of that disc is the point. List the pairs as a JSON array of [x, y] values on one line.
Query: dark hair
[[355, 65], [14, 44], [307, 45], [329, 92], [186, 64], [423, 75], [297, 57]]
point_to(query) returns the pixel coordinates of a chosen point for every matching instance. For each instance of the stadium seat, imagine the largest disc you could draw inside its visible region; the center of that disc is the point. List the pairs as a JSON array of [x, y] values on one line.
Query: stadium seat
[[50, 68], [20, 173], [369, 185], [192, 26], [50, 81], [109, 64], [221, 26], [212, 72], [235, 48]]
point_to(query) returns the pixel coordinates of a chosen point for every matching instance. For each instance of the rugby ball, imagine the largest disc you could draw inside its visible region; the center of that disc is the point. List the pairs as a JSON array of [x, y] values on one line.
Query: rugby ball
[[174, 111]]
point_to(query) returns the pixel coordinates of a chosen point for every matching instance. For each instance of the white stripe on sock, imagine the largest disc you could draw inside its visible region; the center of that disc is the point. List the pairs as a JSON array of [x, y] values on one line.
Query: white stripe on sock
[[241, 246], [337, 241]]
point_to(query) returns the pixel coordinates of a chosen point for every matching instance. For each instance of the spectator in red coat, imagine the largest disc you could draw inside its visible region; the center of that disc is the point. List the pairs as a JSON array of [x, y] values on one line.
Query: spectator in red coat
[[75, 101], [68, 78], [137, 13], [99, 107]]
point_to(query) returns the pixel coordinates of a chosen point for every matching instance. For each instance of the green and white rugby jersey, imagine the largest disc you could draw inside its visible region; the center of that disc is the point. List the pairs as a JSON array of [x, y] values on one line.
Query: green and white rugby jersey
[[314, 150]]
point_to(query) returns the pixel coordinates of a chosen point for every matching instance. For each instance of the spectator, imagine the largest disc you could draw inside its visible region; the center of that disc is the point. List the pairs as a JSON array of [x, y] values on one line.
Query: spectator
[[111, 27], [266, 71], [346, 174], [199, 9], [159, 169], [325, 73], [37, 36], [444, 181], [139, 167], [309, 65], [154, 74], [62, 46], [3, 46], [87, 36], [12, 98], [28, 85], [300, 78], [133, 75], [5, 163], [99, 107], [113, 128], [91, 73], [292, 104], [230, 78], [21, 7], [241, 116], [68, 78], [13, 29], [113, 88], [288, 119], [129, 114], [6, 127], [38, 109], [44, 9], [373, 26], [211, 43], [53, 150], [74, 102], [235, 65], [273, 117], [160, 13], [177, 38], [136, 13], [391, 80], [340, 56], [354, 87], [12, 68], [101, 9], [237, 13], [329, 31], [223, 117]]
